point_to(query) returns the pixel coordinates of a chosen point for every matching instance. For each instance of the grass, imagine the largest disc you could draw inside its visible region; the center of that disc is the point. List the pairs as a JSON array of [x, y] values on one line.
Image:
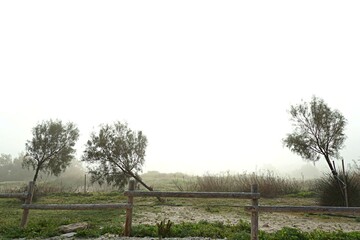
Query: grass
[[168, 181], [45, 223], [149, 212]]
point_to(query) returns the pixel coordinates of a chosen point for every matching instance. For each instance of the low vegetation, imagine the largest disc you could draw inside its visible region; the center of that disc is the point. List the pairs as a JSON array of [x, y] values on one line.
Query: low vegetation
[[44, 224], [269, 184], [331, 194]]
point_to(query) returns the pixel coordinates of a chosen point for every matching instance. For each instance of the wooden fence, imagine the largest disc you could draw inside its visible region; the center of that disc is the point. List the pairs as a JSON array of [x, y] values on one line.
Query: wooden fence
[[254, 208], [28, 205], [23, 195], [253, 195], [14, 195]]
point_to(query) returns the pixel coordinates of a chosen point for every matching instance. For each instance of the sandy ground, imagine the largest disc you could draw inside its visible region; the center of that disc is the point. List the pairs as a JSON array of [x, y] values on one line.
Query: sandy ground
[[268, 222]]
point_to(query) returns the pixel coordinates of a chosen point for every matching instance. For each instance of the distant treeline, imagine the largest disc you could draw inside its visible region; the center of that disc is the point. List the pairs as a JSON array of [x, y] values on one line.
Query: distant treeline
[[11, 169]]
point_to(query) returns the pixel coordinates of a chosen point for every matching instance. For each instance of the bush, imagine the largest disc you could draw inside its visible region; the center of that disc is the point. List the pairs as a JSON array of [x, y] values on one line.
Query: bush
[[287, 233], [331, 192]]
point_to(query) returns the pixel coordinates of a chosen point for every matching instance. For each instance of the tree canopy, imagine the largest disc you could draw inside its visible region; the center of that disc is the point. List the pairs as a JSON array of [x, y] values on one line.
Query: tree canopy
[[318, 131], [51, 148], [116, 153]]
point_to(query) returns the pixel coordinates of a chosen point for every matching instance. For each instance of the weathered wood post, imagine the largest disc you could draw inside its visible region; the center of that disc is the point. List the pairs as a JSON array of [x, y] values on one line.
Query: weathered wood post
[[128, 221], [345, 185], [254, 214], [85, 184], [28, 200]]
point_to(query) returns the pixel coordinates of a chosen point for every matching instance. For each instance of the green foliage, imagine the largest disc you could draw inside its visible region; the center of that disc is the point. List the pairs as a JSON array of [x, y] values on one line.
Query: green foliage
[[35, 229], [211, 230], [51, 148], [112, 229], [164, 228], [318, 131], [290, 234], [330, 194], [117, 153], [144, 230], [88, 233], [302, 194], [337, 235], [287, 233]]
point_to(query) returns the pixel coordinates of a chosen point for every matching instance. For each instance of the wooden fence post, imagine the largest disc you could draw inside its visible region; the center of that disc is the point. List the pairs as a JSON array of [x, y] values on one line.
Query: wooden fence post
[[254, 214], [128, 222], [28, 200]]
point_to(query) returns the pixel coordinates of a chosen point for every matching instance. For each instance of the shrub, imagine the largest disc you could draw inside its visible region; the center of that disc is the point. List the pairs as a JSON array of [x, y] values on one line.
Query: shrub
[[331, 193], [287, 233]]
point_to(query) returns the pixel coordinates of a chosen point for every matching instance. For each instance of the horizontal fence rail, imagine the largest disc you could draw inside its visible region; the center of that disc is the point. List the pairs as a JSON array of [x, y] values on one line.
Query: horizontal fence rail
[[253, 196], [14, 195], [305, 209], [75, 206], [243, 195], [254, 208]]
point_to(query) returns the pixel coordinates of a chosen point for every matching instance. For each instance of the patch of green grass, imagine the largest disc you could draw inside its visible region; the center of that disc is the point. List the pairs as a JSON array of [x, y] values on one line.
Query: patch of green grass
[[212, 209], [45, 223], [296, 234], [302, 194], [168, 181], [200, 229]]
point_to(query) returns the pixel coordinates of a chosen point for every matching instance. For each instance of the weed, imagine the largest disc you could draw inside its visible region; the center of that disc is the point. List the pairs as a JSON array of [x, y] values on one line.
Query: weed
[[164, 228], [212, 209]]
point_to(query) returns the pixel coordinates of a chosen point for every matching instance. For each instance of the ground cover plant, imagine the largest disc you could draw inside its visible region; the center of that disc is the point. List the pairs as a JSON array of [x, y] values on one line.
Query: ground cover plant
[[213, 218]]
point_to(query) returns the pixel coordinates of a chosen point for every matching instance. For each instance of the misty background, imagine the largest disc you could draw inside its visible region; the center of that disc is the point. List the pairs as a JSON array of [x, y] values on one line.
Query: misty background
[[209, 83]]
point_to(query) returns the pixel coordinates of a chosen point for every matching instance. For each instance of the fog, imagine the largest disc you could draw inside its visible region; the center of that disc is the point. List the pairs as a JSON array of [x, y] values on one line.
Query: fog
[[209, 83]]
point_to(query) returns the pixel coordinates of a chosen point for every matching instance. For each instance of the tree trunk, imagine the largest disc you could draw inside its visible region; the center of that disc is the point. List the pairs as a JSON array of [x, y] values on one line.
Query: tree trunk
[[333, 171], [342, 184], [36, 174], [137, 178]]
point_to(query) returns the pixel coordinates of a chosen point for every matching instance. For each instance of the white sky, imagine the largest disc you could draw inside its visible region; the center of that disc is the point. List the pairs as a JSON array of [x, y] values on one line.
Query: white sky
[[208, 82]]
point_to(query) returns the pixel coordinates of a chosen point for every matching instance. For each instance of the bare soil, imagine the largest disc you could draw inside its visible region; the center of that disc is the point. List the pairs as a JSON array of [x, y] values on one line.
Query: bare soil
[[268, 222]]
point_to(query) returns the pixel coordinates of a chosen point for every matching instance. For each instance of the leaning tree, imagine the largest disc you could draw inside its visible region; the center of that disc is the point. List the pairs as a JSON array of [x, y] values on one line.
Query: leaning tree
[[52, 147], [116, 153], [318, 132]]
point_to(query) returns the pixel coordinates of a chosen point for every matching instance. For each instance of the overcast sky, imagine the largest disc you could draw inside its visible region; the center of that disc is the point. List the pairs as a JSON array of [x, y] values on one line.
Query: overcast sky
[[208, 82]]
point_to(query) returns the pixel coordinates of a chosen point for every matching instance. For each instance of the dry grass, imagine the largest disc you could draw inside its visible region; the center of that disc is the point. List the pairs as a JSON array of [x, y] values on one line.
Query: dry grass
[[270, 185]]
